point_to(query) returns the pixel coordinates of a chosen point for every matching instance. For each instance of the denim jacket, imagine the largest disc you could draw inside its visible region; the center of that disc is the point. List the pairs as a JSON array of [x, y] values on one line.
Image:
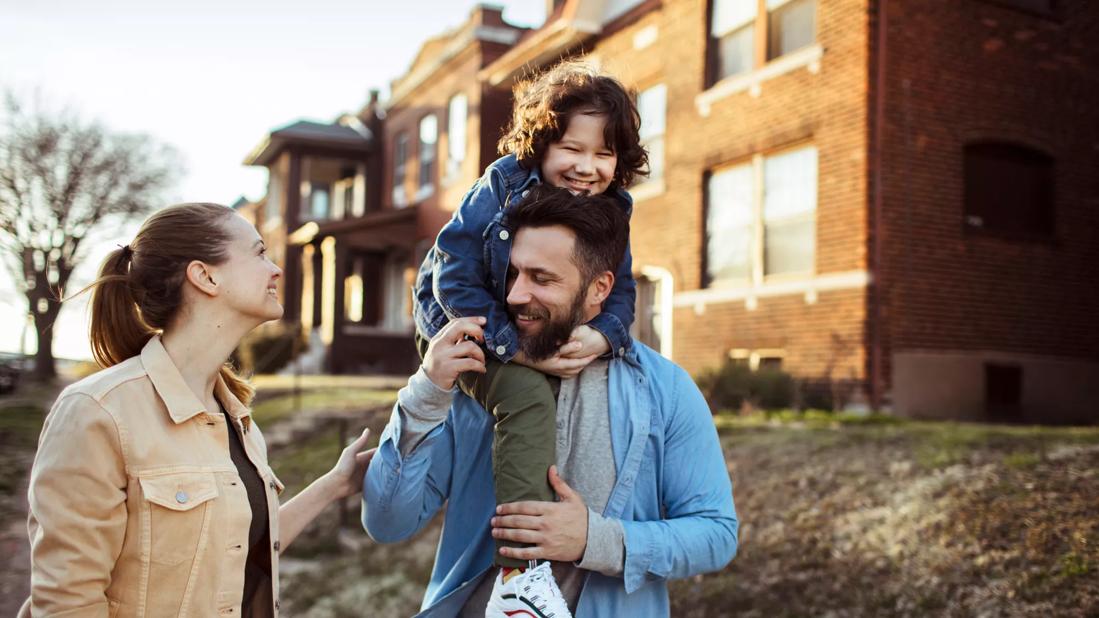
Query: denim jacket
[[672, 492], [465, 273]]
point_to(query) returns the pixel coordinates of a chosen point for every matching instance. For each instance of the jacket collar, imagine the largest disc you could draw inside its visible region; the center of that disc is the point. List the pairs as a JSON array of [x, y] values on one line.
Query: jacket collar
[[177, 396]]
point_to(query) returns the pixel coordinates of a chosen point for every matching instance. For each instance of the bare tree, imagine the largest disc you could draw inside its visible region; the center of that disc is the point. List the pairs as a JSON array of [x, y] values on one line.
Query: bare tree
[[61, 179]]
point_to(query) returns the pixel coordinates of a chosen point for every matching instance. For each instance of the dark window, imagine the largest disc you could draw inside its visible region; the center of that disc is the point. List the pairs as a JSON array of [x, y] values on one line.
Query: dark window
[[400, 161], [362, 288], [1004, 392], [1008, 190]]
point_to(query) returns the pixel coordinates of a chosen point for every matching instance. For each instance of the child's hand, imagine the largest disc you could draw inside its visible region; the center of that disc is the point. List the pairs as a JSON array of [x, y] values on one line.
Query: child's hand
[[557, 365], [592, 343]]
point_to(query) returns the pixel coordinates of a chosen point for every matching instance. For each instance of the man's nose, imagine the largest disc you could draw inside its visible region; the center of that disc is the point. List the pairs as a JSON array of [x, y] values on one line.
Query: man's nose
[[519, 294]]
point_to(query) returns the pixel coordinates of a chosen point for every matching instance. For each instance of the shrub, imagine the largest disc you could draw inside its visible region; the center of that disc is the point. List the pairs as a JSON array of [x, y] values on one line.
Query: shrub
[[268, 349], [733, 386]]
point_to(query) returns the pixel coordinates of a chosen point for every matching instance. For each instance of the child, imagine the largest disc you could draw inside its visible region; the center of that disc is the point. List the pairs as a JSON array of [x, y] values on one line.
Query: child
[[573, 128]]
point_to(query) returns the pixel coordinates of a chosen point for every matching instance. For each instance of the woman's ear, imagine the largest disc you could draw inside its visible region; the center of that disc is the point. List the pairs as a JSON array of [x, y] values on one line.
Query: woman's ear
[[201, 276]]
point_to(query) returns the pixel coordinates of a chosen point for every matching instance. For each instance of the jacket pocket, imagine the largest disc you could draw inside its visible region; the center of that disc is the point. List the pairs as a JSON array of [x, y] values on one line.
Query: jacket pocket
[[176, 511]]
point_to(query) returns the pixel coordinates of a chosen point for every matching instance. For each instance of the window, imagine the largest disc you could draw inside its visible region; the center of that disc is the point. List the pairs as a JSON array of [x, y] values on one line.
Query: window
[[730, 222], [732, 36], [400, 162], [789, 211], [319, 201], [273, 209], [746, 33], [1009, 190], [429, 135], [362, 288], [757, 231], [652, 106], [457, 111]]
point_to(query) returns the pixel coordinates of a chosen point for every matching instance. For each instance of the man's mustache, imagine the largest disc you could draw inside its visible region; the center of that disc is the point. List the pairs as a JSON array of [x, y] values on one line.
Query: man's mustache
[[529, 309]]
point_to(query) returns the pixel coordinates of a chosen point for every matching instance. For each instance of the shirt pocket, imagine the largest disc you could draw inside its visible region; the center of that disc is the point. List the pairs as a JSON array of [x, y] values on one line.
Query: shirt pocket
[[177, 511]]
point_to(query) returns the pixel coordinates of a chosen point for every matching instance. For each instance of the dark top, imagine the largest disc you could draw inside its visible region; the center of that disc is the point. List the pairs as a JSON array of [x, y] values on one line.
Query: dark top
[[257, 568]]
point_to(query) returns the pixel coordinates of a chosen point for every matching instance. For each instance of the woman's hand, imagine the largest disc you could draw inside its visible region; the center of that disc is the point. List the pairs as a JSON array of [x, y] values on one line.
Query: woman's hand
[[346, 477]]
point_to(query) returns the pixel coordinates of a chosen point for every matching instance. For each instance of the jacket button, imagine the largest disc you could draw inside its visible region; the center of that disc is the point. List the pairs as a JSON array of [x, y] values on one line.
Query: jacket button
[[273, 485], [276, 603], [622, 351], [504, 234], [526, 192], [181, 497], [277, 545], [501, 350]]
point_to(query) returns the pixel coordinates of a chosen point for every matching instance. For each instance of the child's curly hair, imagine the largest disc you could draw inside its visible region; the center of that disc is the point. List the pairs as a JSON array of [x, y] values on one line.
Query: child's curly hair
[[543, 107]]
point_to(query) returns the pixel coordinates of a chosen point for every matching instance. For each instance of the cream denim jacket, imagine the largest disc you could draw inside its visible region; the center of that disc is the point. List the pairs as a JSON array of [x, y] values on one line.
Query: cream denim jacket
[[136, 508]]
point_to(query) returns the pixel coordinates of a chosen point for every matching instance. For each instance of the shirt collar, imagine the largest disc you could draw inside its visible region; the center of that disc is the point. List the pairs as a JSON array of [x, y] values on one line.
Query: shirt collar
[[177, 396]]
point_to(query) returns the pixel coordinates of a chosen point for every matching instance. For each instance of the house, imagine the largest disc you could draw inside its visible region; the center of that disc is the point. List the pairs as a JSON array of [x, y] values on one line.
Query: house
[[893, 200], [358, 202]]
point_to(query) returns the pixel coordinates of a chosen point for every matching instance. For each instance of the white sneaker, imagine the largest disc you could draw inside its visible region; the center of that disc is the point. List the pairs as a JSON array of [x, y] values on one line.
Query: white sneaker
[[530, 594]]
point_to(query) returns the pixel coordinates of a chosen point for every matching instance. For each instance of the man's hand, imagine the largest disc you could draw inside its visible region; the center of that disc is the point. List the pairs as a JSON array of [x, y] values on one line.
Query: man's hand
[[454, 350], [555, 530]]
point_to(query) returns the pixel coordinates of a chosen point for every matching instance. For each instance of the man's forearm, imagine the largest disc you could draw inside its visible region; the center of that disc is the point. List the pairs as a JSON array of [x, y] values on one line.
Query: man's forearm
[[423, 406]]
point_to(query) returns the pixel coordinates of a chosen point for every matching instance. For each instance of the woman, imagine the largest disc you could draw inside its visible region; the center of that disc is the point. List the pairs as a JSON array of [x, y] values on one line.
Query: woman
[[151, 494]]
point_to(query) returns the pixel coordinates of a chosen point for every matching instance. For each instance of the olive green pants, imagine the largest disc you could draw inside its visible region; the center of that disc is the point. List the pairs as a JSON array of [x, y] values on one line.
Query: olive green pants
[[523, 443]]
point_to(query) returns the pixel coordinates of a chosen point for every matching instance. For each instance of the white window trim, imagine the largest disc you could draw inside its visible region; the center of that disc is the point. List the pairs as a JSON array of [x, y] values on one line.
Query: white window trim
[[808, 57], [667, 294], [810, 286]]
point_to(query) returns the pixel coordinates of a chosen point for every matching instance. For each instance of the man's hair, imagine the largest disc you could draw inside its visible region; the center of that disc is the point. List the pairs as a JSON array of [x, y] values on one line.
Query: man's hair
[[600, 224], [545, 105]]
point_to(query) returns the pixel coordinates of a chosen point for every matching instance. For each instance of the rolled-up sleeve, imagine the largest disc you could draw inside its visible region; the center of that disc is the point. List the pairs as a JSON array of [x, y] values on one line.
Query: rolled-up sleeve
[[77, 519]]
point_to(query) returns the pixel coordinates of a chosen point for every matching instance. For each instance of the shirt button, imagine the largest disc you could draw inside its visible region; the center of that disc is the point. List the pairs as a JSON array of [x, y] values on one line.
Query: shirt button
[[501, 350], [622, 351], [504, 234], [181, 497]]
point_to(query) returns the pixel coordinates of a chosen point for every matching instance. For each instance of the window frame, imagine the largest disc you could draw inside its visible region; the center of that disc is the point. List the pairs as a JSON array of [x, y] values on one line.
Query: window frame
[[399, 195], [757, 274], [761, 35], [427, 157]]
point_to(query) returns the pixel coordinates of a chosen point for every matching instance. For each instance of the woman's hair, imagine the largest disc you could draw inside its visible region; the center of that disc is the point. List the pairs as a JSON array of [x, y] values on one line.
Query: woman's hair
[[140, 286], [544, 106]]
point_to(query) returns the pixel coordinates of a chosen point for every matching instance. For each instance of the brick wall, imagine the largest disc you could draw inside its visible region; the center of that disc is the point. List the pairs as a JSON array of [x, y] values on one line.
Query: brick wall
[[962, 71], [827, 109]]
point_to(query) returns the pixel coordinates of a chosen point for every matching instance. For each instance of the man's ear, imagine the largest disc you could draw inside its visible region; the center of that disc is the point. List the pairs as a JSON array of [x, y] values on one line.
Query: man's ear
[[600, 288], [201, 276]]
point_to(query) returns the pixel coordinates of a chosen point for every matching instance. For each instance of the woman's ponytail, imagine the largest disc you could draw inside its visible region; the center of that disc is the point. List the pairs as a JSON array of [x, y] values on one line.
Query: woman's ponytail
[[117, 329]]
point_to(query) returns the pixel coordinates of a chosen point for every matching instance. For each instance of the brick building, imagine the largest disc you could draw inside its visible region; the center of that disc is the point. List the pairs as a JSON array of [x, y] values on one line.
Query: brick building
[[894, 200], [357, 203]]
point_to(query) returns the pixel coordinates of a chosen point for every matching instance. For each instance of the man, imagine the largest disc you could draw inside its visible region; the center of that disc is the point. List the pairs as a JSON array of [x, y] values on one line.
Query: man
[[644, 495]]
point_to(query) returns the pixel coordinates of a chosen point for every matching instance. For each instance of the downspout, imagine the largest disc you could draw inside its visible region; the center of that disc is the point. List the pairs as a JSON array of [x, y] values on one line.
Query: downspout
[[876, 270]]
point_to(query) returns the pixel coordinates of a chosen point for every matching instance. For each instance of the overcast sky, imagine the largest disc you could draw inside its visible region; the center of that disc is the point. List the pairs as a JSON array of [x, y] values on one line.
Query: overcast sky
[[210, 78]]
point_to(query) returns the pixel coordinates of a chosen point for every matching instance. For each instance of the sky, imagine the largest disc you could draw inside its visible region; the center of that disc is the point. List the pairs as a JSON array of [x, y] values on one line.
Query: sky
[[210, 78]]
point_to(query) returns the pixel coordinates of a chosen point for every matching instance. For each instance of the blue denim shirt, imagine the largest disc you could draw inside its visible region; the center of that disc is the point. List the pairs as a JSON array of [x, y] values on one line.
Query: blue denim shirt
[[672, 495], [465, 273]]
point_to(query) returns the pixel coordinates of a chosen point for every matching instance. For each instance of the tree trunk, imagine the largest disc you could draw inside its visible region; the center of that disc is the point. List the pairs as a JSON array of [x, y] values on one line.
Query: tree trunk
[[45, 368]]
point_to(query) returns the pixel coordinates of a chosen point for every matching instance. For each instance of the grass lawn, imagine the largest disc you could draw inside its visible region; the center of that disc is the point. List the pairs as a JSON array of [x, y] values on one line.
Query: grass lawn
[[270, 410], [842, 516]]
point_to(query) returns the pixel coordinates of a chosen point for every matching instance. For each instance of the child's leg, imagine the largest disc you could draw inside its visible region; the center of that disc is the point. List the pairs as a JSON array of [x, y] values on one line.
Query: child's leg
[[523, 445]]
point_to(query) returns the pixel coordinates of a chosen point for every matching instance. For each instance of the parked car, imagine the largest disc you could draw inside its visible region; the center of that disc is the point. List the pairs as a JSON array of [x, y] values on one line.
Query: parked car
[[12, 366]]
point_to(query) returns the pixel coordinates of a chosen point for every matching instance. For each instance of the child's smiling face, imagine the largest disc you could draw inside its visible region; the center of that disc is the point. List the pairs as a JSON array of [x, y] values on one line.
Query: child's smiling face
[[581, 161]]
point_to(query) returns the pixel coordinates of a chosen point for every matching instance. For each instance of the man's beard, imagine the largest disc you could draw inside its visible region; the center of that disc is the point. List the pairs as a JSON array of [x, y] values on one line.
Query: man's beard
[[554, 331]]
